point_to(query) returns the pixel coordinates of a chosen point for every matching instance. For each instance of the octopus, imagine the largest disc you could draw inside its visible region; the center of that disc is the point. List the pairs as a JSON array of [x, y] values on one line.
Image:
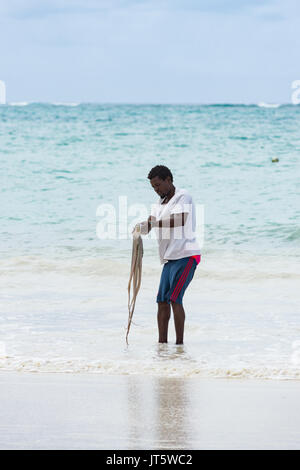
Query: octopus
[[135, 277]]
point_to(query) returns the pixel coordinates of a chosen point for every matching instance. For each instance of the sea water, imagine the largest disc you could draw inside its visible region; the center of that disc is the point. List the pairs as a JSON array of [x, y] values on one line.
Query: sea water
[[63, 300]]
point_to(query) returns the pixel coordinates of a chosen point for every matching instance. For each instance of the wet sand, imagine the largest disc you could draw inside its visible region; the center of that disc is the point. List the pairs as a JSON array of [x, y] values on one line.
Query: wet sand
[[68, 411]]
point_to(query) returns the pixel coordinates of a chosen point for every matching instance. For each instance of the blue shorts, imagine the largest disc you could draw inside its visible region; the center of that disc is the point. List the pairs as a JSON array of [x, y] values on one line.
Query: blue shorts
[[175, 277]]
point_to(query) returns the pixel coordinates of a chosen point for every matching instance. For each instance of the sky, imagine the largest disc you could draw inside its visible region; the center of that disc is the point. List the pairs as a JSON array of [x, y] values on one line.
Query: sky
[[150, 51]]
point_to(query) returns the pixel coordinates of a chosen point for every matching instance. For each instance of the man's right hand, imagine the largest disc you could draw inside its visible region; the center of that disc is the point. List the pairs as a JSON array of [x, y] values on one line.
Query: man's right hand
[[146, 225]]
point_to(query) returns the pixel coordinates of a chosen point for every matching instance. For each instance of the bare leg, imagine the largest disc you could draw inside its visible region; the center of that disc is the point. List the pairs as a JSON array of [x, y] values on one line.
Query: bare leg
[[163, 317], [179, 317]]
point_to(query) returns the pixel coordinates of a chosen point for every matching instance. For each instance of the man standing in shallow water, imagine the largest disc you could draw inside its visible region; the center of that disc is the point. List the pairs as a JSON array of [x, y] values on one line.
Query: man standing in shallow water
[[175, 220]]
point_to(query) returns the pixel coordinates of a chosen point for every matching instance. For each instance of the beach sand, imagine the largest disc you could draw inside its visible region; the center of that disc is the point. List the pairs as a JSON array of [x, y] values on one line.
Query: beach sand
[[68, 411]]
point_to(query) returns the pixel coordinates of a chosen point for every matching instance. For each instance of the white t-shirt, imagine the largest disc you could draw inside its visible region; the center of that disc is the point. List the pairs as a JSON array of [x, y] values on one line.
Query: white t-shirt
[[176, 242]]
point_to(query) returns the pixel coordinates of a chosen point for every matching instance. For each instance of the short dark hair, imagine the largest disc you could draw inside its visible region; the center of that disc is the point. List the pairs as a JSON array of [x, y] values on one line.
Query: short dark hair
[[161, 171]]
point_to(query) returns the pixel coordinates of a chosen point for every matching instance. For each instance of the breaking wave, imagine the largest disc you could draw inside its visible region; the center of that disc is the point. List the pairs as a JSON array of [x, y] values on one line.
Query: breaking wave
[[155, 368]]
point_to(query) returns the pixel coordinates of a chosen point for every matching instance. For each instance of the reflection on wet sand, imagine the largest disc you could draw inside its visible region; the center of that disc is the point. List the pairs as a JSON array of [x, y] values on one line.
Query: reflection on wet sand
[[171, 413], [159, 408]]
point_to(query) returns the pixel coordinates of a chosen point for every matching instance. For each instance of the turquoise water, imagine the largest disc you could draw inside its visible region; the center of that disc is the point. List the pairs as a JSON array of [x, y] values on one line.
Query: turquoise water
[[64, 297], [58, 163]]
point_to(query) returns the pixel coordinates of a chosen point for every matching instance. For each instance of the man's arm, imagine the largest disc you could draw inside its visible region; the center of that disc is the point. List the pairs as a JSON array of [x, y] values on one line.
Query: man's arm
[[175, 220]]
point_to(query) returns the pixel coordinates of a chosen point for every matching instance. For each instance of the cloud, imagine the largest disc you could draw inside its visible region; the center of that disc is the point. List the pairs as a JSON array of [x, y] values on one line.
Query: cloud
[[215, 6], [24, 9], [33, 9]]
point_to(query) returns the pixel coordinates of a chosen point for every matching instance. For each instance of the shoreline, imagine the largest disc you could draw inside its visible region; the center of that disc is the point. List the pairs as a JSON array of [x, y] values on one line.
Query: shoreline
[[91, 411]]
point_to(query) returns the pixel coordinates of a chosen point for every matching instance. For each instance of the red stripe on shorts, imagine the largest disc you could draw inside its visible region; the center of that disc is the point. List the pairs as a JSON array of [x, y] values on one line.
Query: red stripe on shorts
[[182, 279]]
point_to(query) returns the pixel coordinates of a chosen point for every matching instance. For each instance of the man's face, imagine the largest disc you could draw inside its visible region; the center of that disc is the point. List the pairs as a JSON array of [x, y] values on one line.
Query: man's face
[[161, 187]]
